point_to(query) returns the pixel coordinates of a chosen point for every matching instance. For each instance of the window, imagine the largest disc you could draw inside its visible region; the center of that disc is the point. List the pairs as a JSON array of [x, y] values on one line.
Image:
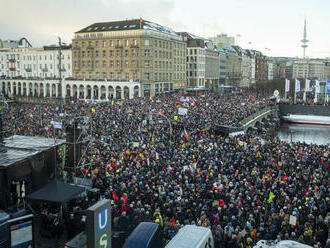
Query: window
[[126, 63], [134, 76], [126, 76], [104, 42], [135, 42], [112, 76], [96, 63], [111, 53], [96, 43], [103, 53], [146, 63], [156, 76], [104, 75], [146, 76], [126, 53], [96, 53], [133, 52], [117, 53], [119, 75], [84, 75], [83, 54], [97, 75], [146, 52], [77, 74], [126, 42], [104, 63], [133, 63], [118, 43], [111, 63], [146, 42], [90, 75], [111, 43], [117, 63]]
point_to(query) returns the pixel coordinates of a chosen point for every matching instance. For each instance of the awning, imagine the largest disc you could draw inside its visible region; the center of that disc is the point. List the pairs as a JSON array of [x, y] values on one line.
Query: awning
[[56, 191]]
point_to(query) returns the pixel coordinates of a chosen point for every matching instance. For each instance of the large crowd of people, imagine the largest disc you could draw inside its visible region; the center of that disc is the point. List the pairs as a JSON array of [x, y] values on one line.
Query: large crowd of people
[[157, 162]]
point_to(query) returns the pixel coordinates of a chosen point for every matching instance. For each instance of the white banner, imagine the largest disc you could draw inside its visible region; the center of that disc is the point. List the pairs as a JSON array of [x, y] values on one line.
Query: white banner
[[182, 111], [317, 86], [297, 85], [287, 85], [308, 85], [56, 124], [184, 99]]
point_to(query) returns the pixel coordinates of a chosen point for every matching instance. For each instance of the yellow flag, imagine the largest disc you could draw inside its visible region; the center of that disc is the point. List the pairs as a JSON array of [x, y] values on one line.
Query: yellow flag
[[175, 117], [93, 110]]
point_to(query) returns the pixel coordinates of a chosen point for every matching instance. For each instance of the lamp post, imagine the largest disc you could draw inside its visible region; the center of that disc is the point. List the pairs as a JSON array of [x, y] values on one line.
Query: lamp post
[[60, 67]]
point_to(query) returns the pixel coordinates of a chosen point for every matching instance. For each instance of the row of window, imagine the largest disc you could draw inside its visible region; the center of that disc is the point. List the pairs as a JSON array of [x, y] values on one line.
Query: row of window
[[128, 76], [132, 42], [41, 66], [32, 57], [133, 63]]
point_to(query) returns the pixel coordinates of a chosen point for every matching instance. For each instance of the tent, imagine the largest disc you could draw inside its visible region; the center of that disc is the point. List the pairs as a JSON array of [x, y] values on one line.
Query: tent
[[56, 191]]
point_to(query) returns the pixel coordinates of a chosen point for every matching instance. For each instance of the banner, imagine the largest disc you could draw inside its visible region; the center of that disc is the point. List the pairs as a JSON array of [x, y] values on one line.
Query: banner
[[297, 85], [287, 85], [317, 86], [182, 111], [57, 125], [293, 220], [328, 86], [308, 85]]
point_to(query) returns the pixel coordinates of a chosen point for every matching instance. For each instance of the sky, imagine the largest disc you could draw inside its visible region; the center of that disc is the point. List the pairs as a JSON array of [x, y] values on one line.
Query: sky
[[274, 27]]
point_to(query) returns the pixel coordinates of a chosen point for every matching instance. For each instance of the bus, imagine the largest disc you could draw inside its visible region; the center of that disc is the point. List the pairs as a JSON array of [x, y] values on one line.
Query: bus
[[191, 236], [145, 235]]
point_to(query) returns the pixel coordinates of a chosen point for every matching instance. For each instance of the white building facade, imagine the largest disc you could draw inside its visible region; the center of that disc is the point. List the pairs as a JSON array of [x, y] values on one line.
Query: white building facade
[[37, 63], [73, 89]]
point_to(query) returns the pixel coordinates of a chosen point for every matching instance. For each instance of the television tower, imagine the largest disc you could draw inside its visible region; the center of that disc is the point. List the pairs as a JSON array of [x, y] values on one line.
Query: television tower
[[304, 41]]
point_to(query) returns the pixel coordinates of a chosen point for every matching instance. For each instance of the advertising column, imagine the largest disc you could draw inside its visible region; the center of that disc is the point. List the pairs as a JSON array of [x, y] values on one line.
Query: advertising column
[[98, 228]]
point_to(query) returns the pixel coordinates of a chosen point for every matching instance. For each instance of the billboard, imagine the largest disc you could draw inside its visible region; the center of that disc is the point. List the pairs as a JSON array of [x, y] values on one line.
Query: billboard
[[98, 226], [21, 232]]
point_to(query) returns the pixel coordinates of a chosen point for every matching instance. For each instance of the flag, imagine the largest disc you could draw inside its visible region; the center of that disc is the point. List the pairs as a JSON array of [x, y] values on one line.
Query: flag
[[297, 85], [160, 112], [115, 197], [271, 197], [308, 85], [328, 86], [184, 134], [287, 85], [124, 198], [175, 117], [173, 222], [93, 110], [317, 86]]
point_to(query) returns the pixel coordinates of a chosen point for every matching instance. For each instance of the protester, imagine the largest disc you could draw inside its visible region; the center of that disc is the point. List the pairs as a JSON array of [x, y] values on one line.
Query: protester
[[157, 165]]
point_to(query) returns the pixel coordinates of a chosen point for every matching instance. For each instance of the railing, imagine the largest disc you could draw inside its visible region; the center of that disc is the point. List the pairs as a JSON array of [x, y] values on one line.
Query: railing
[[253, 116]]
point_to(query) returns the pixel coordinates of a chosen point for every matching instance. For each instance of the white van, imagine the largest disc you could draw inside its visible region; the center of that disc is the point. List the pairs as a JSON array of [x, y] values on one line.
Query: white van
[[191, 236], [281, 244]]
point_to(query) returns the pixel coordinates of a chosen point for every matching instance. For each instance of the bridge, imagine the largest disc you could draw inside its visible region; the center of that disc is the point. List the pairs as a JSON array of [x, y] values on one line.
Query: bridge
[[256, 120], [259, 118]]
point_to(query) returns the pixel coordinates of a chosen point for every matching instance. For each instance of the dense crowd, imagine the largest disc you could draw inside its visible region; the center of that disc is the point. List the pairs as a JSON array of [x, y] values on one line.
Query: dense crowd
[[157, 165]]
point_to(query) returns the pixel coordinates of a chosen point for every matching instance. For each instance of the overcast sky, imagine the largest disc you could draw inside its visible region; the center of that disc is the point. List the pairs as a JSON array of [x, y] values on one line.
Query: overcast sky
[[273, 24]]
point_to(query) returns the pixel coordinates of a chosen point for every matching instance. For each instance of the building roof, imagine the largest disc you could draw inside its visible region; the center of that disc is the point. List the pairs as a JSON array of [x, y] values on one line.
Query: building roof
[[18, 148], [127, 25]]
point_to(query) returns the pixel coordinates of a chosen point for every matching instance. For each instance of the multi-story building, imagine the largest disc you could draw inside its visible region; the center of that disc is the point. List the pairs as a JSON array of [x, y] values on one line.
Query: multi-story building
[[38, 63], [203, 63], [245, 66], [261, 67], [233, 65], [131, 50], [222, 71], [223, 38], [271, 69], [309, 68], [327, 69]]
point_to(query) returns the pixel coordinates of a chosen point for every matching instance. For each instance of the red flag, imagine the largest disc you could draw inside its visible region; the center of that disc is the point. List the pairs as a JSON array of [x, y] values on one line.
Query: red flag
[[284, 178], [115, 196], [173, 222], [160, 112], [124, 198]]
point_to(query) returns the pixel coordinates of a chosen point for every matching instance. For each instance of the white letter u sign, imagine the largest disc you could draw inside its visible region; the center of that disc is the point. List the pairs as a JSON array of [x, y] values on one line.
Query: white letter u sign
[[102, 221]]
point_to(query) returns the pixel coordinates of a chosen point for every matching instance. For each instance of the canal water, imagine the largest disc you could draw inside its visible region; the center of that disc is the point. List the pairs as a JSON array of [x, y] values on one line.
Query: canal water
[[310, 134]]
